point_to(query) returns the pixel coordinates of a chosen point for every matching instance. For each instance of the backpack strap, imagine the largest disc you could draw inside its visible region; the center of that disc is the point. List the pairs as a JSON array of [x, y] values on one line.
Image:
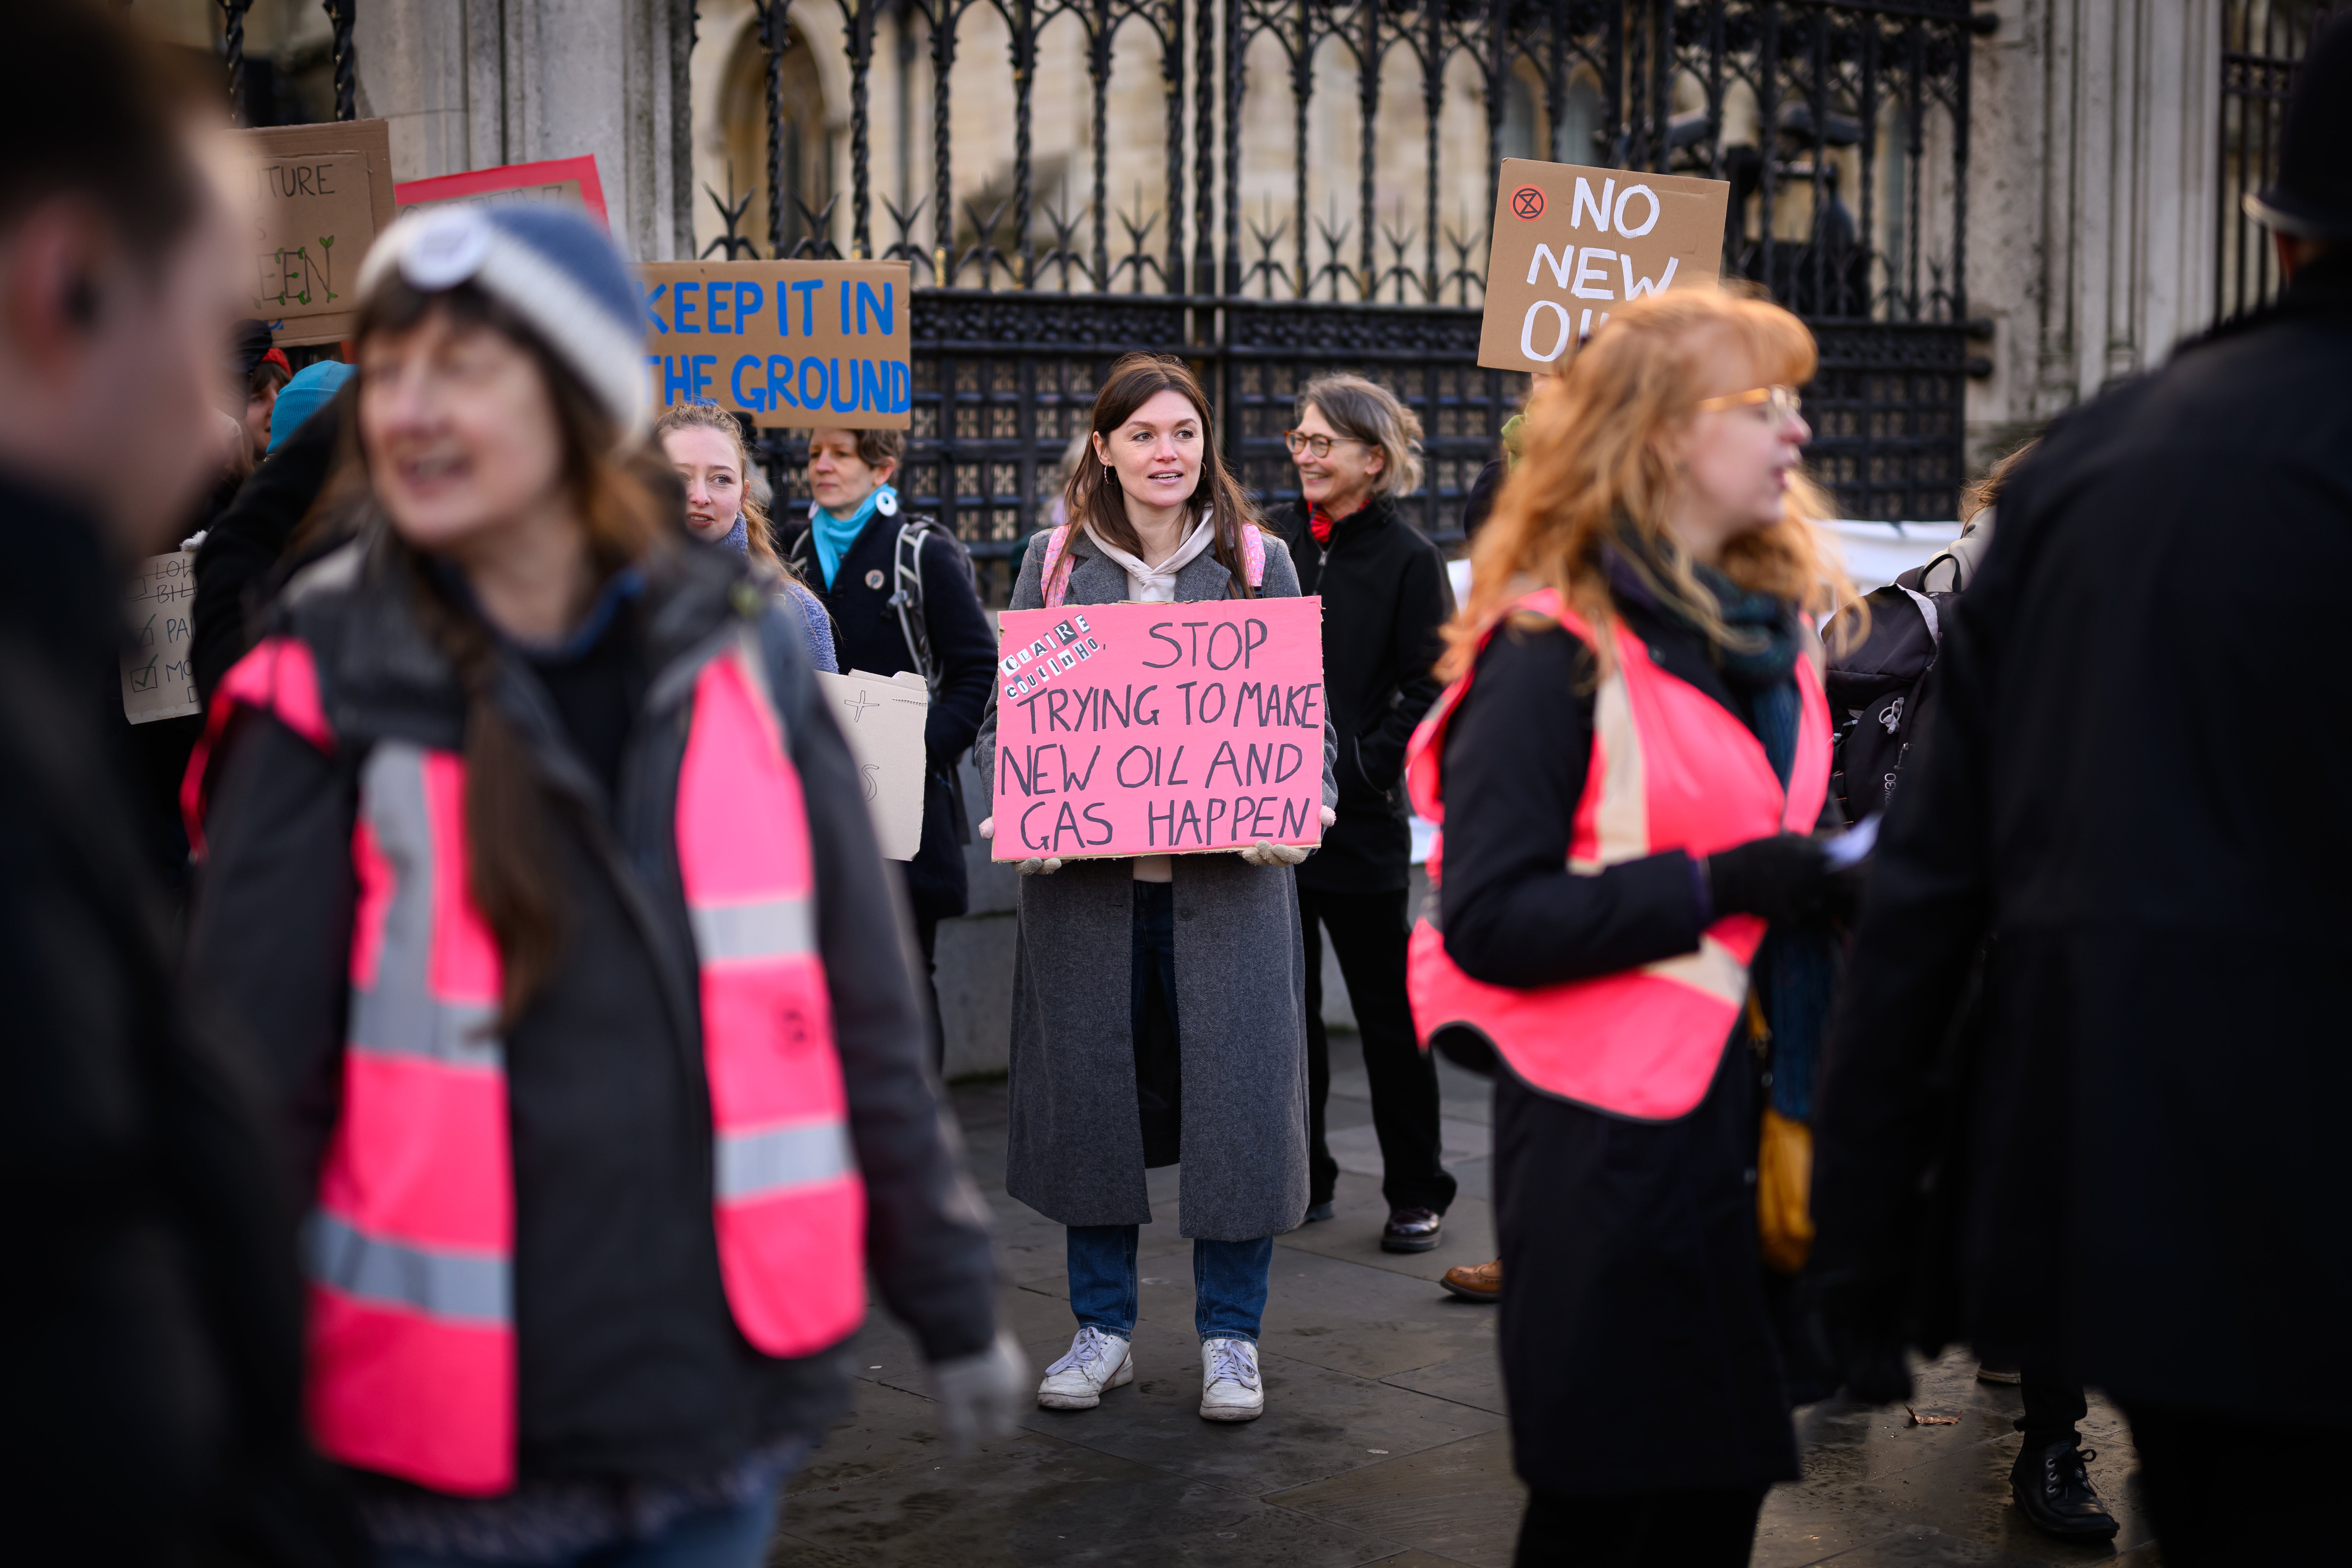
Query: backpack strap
[[1253, 555], [1056, 578], [907, 599]]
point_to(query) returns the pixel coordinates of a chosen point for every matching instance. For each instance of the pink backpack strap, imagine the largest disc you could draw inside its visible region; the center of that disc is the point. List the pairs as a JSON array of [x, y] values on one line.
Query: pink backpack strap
[[1058, 562], [1253, 555]]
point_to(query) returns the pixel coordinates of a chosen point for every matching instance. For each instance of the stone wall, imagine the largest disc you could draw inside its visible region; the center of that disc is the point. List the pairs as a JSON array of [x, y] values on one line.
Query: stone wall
[[2092, 199]]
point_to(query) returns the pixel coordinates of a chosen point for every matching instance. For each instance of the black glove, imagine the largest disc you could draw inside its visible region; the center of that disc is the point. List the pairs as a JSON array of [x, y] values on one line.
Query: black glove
[[1782, 877]]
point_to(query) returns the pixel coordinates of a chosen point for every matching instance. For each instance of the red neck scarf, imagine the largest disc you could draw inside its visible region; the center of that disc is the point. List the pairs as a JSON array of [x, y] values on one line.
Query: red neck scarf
[[1322, 521]]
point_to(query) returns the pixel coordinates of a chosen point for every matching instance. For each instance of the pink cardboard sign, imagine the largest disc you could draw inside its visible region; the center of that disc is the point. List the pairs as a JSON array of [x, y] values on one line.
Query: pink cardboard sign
[[1158, 729]]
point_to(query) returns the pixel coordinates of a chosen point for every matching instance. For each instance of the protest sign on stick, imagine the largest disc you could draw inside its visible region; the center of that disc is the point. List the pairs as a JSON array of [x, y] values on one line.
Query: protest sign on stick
[[1571, 243], [157, 680], [882, 718], [1158, 729], [566, 181], [803, 344], [321, 194]]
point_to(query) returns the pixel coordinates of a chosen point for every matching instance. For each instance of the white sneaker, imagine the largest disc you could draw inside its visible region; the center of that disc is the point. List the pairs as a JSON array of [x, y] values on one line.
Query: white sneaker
[[1229, 1387], [1096, 1360]]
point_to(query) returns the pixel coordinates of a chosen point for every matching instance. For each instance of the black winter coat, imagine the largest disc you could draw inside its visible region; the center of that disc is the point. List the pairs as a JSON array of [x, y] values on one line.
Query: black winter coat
[[867, 636], [245, 544], [630, 1364], [2151, 1167], [151, 1302], [1385, 597], [1639, 1347]]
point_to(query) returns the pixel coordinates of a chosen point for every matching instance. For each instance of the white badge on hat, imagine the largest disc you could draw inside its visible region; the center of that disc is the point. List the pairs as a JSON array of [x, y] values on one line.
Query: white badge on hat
[[448, 247]]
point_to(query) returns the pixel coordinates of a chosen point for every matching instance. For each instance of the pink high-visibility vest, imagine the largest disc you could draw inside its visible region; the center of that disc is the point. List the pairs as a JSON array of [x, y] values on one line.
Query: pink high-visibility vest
[[1670, 769], [410, 1253]]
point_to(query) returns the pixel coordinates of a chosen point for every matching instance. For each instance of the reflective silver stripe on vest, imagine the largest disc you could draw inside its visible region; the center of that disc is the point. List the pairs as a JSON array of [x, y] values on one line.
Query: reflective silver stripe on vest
[[399, 1015], [470, 1286], [752, 1164], [772, 928]]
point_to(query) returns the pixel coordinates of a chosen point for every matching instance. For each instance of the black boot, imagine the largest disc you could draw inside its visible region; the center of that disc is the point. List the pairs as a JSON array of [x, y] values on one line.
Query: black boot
[[2053, 1487]]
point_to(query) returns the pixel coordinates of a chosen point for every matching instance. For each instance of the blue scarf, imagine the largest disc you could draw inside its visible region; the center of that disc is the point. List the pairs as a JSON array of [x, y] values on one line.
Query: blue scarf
[[835, 535], [739, 538]]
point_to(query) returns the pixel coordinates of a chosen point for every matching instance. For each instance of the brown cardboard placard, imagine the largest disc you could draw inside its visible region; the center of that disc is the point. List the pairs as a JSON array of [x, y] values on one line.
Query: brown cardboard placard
[[322, 194], [803, 344], [1571, 244]]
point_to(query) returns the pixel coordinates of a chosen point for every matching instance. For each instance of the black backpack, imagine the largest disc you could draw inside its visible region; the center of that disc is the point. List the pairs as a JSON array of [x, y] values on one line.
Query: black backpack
[[1878, 688]]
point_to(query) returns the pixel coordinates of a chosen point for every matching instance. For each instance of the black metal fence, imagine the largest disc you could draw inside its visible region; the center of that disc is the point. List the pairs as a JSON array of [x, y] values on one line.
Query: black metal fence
[[2261, 43], [1841, 126]]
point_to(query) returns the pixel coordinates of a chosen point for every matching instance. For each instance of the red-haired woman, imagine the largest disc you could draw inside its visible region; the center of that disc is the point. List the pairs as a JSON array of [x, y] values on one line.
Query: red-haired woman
[[1627, 766], [548, 895]]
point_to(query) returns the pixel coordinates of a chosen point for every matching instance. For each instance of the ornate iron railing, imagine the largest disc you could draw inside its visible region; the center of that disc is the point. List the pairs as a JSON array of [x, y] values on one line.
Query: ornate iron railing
[[1022, 299], [2262, 41]]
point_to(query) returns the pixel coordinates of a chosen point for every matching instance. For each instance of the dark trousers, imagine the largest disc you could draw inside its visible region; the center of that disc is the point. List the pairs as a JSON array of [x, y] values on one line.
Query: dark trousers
[[1369, 934], [2053, 1405], [1151, 1016], [1704, 1528], [927, 936], [2194, 1470]]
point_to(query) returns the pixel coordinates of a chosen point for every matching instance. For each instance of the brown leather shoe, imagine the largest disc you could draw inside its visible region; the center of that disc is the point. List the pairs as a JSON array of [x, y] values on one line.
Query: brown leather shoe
[[1476, 1281]]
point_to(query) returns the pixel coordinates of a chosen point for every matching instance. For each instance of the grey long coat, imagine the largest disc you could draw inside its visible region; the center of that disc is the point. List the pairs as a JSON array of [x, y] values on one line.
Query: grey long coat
[[1077, 1147]]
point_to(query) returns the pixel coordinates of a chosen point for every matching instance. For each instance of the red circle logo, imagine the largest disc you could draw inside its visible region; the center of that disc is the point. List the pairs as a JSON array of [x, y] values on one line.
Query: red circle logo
[[1527, 202]]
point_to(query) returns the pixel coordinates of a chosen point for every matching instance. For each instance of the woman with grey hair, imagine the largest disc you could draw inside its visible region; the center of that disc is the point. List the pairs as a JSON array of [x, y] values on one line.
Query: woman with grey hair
[[1385, 595]]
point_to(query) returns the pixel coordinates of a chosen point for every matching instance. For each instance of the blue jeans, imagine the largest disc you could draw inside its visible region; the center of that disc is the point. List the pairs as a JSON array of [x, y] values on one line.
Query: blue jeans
[[734, 1537], [1228, 1282]]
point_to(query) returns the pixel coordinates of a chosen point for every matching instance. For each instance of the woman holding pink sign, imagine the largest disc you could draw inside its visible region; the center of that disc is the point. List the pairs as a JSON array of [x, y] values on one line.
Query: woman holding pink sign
[[1158, 1011]]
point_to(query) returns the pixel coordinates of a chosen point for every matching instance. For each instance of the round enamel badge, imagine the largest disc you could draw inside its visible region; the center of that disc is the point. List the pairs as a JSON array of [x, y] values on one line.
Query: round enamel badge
[[874, 580], [886, 503]]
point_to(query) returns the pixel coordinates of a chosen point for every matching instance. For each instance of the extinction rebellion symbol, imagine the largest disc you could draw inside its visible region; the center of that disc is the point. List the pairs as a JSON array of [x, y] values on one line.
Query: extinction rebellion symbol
[[1527, 202]]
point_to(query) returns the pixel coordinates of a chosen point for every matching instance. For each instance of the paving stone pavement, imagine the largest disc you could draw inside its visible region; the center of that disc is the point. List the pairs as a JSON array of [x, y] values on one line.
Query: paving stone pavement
[[1384, 1438]]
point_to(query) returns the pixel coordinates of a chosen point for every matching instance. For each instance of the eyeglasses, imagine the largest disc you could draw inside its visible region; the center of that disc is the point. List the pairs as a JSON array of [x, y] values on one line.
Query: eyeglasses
[[1783, 400], [1299, 441]]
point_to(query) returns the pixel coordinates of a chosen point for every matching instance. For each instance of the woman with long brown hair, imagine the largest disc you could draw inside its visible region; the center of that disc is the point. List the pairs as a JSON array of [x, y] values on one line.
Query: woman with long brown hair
[[547, 892], [1627, 767], [1158, 1011]]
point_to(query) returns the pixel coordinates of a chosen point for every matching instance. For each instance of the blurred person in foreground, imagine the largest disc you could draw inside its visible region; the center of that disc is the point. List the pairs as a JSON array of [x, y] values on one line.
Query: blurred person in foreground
[[545, 891], [151, 1302], [1626, 768], [2144, 1179]]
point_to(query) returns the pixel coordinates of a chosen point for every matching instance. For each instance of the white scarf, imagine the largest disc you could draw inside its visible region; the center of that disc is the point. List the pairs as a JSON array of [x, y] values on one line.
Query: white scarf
[[1157, 584]]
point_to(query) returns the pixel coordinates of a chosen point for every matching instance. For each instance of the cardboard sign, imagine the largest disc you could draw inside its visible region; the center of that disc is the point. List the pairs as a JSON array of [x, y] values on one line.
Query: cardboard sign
[[801, 344], [322, 194], [157, 680], [1571, 244], [882, 718], [567, 180], [1158, 729]]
